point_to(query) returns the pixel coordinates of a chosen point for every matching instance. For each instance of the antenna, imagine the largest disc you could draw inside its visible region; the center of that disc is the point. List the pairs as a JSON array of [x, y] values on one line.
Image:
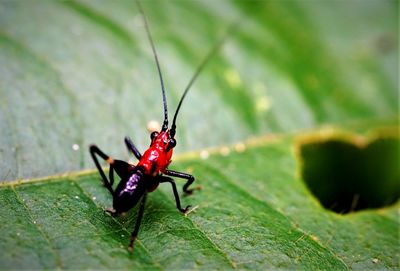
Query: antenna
[[212, 52], [165, 124]]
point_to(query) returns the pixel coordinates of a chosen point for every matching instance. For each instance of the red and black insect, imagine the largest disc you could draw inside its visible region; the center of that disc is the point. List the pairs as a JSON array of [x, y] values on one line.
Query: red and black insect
[[152, 168]]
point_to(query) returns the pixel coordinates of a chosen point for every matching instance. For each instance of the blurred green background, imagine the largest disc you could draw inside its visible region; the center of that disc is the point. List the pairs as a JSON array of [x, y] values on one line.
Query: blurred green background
[[74, 73]]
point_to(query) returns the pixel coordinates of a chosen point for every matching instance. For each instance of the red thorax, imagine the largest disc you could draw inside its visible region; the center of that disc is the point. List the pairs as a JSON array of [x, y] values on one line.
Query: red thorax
[[157, 157]]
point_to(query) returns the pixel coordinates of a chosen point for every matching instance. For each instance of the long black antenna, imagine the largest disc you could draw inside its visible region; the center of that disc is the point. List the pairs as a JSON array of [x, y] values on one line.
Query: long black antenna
[[165, 124], [213, 51]]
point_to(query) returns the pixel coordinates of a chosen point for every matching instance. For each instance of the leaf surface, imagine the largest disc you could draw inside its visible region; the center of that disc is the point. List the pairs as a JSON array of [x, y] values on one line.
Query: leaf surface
[[73, 73], [253, 213]]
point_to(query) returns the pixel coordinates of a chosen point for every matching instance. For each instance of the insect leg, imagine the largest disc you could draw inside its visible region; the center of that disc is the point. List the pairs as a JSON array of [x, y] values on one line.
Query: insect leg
[[163, 179], [138, 221], [129, 144], [188, 177], [95, 150]]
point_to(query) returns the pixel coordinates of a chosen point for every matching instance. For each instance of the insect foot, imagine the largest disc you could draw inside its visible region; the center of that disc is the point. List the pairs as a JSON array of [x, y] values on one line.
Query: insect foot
[[112, 212], [187, 212], [130, 247]]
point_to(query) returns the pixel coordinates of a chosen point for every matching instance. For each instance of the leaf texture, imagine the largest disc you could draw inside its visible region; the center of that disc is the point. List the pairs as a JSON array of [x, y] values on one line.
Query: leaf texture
[[253, 213]]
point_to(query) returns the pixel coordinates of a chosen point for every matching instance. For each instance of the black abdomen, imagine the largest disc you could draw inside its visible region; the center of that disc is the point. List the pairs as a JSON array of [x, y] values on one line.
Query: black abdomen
[[129, 191]]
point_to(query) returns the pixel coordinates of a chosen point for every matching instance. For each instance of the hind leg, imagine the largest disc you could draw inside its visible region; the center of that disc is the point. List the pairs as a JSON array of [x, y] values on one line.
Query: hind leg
[[164, 179], [138, 221]]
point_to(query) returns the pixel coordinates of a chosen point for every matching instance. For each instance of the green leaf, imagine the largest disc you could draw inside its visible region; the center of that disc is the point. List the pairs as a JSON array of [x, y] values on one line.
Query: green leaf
[[74, 73], [253, 213]]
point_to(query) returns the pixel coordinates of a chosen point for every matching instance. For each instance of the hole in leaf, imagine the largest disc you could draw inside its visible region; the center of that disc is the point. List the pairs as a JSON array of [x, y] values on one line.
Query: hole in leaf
[[346, 177]]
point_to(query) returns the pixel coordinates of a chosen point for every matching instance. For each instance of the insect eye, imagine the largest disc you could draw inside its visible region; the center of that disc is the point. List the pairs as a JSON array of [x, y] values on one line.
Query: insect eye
[[153, 135], [172, 143]]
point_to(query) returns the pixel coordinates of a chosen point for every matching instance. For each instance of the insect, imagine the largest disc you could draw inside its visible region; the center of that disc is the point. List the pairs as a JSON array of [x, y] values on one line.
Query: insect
[[152, 168]]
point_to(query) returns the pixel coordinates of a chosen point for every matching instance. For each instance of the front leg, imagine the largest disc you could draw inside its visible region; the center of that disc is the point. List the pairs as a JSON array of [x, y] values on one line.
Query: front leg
[[188, 177]]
